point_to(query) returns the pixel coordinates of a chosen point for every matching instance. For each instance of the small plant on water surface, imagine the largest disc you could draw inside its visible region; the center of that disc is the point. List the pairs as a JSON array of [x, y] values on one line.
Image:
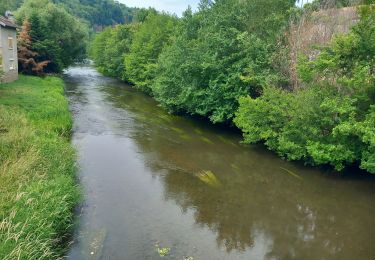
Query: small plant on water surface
[[163, 251]]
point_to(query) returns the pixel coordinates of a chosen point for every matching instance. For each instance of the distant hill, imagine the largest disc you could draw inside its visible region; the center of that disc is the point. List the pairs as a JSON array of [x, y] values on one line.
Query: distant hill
[[98, 13], [11, 5]]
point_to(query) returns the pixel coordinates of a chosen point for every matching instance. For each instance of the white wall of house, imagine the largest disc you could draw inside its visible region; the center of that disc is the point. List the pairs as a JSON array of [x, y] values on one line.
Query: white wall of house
[[8, 51]]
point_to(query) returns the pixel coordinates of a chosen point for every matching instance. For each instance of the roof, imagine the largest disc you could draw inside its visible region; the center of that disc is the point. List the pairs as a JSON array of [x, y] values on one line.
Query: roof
[[7, 23]]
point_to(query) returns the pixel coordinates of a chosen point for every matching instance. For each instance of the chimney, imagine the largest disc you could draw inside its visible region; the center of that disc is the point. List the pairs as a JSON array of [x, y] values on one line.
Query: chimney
[[10, 17]]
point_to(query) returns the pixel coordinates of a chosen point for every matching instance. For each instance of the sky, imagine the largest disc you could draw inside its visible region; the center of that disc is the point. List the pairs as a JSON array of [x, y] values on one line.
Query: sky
[[172, 6]]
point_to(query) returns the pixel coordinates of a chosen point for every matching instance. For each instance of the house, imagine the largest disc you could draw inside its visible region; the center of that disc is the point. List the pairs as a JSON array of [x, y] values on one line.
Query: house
[[8, 48]]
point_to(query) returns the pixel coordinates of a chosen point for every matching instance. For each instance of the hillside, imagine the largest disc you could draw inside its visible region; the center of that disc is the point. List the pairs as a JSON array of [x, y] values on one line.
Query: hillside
[[96, 12], [316, 29], [99, 12]]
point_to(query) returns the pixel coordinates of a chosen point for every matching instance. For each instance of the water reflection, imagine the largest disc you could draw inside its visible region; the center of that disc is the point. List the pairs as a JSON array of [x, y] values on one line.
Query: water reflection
[[256, 205], [296, 211]]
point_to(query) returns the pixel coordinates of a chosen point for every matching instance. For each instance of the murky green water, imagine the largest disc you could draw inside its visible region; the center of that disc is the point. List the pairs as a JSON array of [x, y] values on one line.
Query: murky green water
[[150, 179]]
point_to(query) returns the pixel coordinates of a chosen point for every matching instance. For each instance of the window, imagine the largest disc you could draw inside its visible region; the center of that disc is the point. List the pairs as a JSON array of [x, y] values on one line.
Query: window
[[11, 65], [10, 42]]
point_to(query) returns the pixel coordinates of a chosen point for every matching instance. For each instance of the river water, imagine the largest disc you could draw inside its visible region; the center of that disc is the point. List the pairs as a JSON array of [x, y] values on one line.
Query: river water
[[152, 180]]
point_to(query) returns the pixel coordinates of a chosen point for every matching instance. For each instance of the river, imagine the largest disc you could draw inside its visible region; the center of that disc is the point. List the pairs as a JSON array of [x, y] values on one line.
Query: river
[[152, 180]]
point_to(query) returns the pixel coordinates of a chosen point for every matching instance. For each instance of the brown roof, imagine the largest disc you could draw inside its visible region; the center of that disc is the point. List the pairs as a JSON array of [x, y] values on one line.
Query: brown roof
[[7, 23]]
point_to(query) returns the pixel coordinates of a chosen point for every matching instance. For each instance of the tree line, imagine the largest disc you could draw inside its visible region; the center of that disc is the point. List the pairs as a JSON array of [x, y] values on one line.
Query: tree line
[[54, 34], [94, 12], [228, 62]]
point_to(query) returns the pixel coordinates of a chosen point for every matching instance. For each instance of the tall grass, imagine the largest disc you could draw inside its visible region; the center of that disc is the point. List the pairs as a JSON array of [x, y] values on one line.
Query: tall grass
[[37, 186]]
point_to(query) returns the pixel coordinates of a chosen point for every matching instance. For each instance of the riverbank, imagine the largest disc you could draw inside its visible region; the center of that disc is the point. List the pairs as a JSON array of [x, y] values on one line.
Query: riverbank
[[319, 110], [151, 180], [37, 166]]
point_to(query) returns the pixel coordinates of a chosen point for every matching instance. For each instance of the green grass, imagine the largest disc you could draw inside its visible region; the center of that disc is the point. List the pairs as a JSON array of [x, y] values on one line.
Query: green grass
[[37, 167]]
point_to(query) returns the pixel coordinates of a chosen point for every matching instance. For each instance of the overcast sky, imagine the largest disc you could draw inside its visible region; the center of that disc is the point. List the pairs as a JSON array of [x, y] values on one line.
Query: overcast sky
[[172, 6]]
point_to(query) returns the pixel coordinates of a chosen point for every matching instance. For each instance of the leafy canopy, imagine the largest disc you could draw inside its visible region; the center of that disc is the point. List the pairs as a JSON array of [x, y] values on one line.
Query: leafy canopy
[[56, 35], [331, 120]]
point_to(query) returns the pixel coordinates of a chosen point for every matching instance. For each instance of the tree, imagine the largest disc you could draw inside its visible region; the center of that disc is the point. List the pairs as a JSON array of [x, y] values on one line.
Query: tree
[[149, 41], [227, 62], [142, 14], [9, 5], [331, 120], [26, 57], [109, 48], [56, 35], [219, 54], [99, 12]]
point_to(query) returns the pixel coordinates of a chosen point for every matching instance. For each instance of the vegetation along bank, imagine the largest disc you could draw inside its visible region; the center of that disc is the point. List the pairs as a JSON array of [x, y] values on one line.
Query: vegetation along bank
[[232, 62], [37, 166], [37, 162]]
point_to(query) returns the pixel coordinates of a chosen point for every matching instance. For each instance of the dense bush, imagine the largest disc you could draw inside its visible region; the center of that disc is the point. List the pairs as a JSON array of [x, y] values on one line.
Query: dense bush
[[149, 40], [56, 35], [231, 56], [109, 48], [131, 52], [331, 120], [204, 62], [219, 54]]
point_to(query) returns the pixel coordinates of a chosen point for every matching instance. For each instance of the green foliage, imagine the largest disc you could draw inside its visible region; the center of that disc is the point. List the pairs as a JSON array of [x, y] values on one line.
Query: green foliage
[[109, 48], [130, 52], [219, 54], [232, 51], [37, 166], [204, 62], [56, 35], [98, 47], [9, 5], [348, 63], [331, 120], [142, 14], [99, 12], [300, 125], [317, 5], [163, 251], [95, 12], [149, 40]]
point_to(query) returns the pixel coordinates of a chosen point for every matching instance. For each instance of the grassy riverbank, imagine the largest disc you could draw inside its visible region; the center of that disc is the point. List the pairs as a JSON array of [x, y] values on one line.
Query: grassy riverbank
[[37, 187]]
